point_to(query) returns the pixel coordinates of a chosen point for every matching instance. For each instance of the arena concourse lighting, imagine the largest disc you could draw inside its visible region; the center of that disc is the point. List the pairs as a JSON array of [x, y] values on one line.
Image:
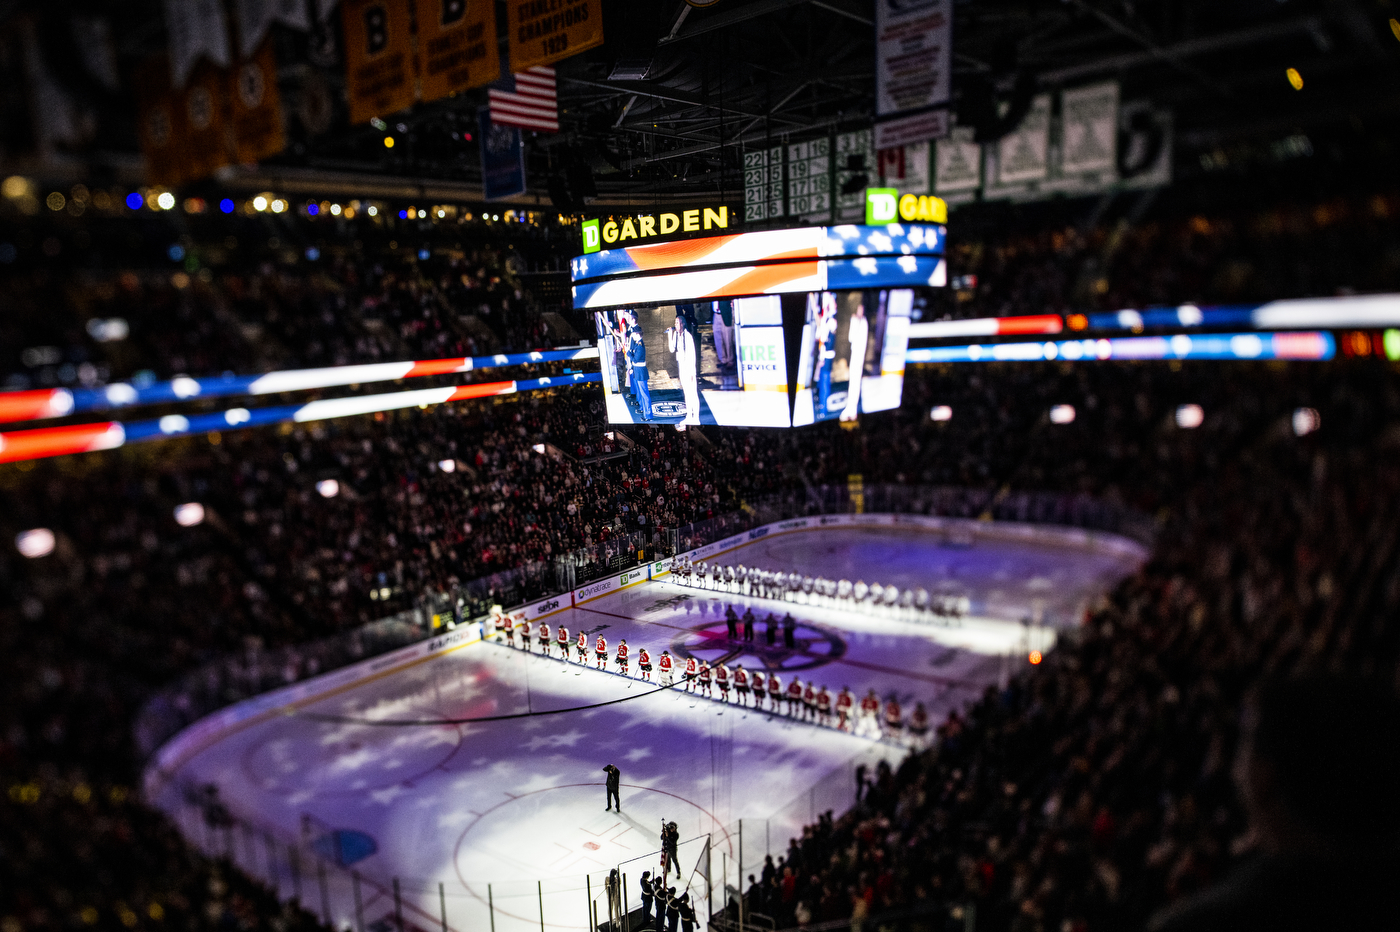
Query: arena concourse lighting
[[190, 514], [35, 542], [43, 442], [941, 413], [1305, 421], [1062, 414], [61, 402], [328, 488], [1190, 416]]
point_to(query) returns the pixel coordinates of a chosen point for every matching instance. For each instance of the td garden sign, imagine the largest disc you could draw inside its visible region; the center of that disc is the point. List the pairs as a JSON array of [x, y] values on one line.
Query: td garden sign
[[630, 229]]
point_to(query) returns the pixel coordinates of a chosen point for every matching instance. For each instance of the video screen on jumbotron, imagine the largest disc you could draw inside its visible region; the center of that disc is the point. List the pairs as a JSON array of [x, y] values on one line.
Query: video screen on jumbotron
[[726, 362], [704, 362], [852, 358]]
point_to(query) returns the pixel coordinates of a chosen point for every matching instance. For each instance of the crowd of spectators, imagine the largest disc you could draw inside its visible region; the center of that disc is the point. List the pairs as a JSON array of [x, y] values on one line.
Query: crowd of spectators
[[1085, 795], [202, 296]]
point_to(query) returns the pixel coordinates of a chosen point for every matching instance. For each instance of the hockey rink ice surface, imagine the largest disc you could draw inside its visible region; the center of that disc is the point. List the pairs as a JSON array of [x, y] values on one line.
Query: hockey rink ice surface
[[509, 812]]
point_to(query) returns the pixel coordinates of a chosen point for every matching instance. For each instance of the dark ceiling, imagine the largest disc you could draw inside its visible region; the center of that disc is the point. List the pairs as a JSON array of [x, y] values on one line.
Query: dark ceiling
[[668, 103]]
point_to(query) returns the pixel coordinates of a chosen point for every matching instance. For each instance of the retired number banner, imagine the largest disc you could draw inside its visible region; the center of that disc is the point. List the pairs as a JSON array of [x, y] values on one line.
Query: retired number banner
[[457, 42], [378, 57], [546, 31]]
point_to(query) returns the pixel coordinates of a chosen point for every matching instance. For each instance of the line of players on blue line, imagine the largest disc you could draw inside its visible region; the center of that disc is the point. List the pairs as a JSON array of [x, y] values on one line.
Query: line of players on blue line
[[947, 608], [806, 702]]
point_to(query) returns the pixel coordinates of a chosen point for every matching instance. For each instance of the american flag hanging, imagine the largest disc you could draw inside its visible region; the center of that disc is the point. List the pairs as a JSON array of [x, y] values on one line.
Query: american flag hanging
[[534, 104]]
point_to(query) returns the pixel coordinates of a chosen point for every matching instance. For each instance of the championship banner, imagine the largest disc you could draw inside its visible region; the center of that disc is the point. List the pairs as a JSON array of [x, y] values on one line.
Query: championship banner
[[957, 162], [1090, 119], [255, 18], [160, 122], [542, 32], [457, 43], [913, 66], [197, 28], [1024, 154], [257, 108], [378, 57], [205, 130]]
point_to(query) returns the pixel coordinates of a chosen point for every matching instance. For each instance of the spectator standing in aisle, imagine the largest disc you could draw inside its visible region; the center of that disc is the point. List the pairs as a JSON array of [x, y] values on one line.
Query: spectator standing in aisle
[[614, 784]]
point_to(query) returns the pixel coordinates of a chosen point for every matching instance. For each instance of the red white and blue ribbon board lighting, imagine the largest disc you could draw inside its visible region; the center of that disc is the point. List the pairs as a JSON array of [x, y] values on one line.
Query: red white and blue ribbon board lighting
[[43, 442], [1308, 345], [61, 402], [835, 258]]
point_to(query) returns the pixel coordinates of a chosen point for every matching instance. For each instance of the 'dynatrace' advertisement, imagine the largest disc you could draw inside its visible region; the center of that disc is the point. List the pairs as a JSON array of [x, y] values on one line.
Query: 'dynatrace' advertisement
[[708, 362]]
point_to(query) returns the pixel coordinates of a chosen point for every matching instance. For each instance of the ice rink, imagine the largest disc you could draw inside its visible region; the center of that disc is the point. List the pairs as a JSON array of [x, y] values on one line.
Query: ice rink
[[476, 775]]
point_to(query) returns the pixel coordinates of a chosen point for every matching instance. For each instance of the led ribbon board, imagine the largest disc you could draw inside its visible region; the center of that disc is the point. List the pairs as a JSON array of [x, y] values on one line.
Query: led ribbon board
[[763, 263], [61, 402], [1307, 345], [43, 442]]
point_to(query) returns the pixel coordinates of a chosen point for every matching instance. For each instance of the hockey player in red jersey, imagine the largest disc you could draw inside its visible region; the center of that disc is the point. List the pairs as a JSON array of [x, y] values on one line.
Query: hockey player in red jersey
[[544, 637], [622, 657], [722, 680], [844, 702], [527, 631], [704, 676], [692, 670], [563, 643], [894, 718], [918, 725], [664, 666], [775, 691], [644, 664], [824, 706], [760, 688], [794, 696], [582, 647], [809, 701], [869, 715], [600, 650], [741, 684]]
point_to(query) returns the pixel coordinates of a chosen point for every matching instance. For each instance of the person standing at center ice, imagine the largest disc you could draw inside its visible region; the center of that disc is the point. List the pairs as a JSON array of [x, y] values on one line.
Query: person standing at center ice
[[614, 785], [681, 342]]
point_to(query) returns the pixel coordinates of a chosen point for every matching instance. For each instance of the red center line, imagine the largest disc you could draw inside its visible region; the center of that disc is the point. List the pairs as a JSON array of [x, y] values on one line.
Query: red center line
[[862, 664]]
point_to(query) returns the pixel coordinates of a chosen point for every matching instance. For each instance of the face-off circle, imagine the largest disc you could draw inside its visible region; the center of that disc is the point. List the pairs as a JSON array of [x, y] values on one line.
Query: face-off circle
[[813, 646]]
